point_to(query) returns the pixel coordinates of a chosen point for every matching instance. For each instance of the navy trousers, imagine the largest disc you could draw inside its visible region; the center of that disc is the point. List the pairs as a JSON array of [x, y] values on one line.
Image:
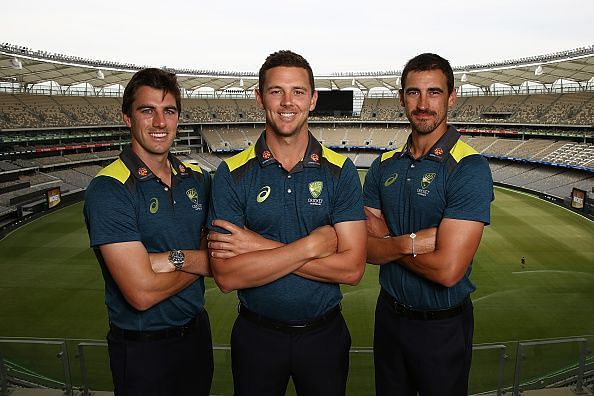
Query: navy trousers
[[428, 357], [263, 359], [171, 366]]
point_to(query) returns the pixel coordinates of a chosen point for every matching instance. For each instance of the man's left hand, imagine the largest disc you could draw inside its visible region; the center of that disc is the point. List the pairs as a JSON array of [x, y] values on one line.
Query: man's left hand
[[238, 241]]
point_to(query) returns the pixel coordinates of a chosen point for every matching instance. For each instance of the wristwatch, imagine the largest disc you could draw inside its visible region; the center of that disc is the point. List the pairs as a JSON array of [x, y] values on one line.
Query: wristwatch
[[177, 258]]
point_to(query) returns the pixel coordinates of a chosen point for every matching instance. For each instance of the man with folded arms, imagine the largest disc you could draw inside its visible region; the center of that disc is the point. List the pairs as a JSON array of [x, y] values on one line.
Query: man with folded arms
[[145, 213], [427, 203], [291, 227]]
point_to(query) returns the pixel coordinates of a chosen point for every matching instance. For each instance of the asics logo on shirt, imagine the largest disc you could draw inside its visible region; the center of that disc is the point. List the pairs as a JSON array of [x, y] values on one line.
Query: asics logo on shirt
[[154, 205], [390, 180], [263, 194]]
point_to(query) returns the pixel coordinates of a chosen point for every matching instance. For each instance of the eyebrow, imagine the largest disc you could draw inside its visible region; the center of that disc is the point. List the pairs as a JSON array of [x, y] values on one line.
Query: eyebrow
[[294, 87], [433, 89], [151, 106]]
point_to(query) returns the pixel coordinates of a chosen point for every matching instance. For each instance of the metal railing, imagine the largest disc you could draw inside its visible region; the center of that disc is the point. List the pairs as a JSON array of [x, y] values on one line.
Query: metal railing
[[576, 370], [581, 360], [62, 355]]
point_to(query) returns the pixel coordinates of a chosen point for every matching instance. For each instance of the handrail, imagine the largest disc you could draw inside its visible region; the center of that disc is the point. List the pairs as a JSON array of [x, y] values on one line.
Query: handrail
[[82, 345]]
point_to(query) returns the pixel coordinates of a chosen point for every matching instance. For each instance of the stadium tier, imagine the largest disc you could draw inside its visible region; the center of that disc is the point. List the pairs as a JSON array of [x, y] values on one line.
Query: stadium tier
[[61, 119], [21, 111]]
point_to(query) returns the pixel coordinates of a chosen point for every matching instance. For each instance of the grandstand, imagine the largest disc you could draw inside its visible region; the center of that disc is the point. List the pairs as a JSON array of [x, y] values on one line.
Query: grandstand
[[59, 114], [60, 122]]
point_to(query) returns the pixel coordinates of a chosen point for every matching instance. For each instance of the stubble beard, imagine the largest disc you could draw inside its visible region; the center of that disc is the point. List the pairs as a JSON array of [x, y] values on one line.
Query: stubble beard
[[425, 127]]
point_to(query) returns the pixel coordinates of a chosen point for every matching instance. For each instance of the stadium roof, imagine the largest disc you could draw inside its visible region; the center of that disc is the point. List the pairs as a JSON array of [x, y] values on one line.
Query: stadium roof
[[25, 66]]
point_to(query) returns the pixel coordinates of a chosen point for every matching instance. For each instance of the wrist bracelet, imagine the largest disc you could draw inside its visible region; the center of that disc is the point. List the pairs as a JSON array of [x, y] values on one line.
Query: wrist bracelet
[[412, 237]]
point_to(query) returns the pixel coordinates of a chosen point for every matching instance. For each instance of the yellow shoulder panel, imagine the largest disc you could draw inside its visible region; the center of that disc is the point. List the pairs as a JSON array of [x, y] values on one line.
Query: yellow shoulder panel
[[462, 149], [194, 167], [116, 170], [390, 154], [241, 159], [333, 157]]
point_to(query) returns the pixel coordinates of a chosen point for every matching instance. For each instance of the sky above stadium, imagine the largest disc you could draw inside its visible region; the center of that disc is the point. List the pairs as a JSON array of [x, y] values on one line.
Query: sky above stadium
[[334, 35]]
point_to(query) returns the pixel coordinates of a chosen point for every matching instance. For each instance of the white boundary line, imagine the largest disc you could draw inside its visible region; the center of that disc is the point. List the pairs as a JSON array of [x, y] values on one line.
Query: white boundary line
[[41, 217]]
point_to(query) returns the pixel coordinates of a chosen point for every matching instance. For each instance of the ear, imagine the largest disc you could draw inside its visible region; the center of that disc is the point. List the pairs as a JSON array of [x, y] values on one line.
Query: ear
[[313, 101], [452, 98], [401, 96], [259, 99], [127, 120]]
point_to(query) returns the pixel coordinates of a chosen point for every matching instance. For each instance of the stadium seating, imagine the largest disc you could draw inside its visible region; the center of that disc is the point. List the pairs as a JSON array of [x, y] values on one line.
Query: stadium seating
[[66, 139]]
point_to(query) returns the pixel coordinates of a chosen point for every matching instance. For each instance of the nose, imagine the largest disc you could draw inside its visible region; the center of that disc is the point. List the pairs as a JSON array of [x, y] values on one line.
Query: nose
[[287, 99], [159, 119], [422, 103]]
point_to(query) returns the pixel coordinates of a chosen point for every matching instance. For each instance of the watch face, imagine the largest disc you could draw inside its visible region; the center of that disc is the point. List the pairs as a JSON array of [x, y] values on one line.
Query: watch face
[[177, 258]]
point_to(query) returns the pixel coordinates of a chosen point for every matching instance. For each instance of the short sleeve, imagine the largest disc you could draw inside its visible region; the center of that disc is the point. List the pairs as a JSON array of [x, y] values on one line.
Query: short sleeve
[[371, 190], [110, 212], [470, 190], [225, 202], [349, 199]]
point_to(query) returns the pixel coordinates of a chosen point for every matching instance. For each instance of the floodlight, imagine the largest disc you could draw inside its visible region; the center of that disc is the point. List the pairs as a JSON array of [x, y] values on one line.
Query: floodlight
[[100, 75], [464, 78], [16, 63], [353, 82], [539, 71], [241, 82]]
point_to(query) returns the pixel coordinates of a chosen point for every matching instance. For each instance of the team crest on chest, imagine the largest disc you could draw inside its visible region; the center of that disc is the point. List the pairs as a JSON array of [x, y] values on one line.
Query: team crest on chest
[[315, 189], [192, 195], [425, 182]]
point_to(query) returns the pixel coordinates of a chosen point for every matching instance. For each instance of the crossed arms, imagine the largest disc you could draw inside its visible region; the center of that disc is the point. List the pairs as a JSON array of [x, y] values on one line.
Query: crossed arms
[[146, 279], [443, 253], [244, 259]]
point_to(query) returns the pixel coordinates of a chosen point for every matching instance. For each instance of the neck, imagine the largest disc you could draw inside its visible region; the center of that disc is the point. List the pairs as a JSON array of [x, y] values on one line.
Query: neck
[[422, 142], [287, 150], [158, 164]]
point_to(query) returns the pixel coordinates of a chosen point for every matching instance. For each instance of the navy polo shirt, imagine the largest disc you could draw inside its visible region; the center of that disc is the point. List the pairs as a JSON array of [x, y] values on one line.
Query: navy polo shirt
[[451, 181], [251, 189], [127, 202]]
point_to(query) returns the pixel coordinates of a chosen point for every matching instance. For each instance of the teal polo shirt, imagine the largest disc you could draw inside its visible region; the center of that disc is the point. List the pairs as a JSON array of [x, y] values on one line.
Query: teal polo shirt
[[127, 202], [452, 181], [252, 189]]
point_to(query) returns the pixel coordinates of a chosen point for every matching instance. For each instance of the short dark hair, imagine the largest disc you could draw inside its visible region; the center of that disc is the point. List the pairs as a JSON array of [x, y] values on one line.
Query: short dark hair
[[284, 58], [429, 61], [154, 78]]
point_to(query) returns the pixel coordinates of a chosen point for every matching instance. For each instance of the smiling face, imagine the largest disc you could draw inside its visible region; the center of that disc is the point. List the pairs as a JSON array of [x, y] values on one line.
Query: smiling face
[[426, 100], [287, 99], [153, 122]]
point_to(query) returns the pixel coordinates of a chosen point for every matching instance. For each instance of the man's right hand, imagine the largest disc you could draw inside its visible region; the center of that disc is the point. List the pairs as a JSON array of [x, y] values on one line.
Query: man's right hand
[[323, 241]]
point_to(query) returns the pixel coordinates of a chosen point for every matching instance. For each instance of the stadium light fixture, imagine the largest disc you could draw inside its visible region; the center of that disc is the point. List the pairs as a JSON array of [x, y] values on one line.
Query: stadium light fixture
[[100, 75], [539, 71], [353, 82], [464, 78], [16, 63], [241, 82]]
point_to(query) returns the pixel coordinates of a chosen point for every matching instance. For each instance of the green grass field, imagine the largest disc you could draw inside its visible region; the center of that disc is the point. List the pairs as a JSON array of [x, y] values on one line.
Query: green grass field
[[51, 287]]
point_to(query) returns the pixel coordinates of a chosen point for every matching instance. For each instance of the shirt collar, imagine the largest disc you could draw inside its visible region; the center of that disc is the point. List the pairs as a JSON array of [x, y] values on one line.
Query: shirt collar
[[312, 158], [440, 150], [142, 172]]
